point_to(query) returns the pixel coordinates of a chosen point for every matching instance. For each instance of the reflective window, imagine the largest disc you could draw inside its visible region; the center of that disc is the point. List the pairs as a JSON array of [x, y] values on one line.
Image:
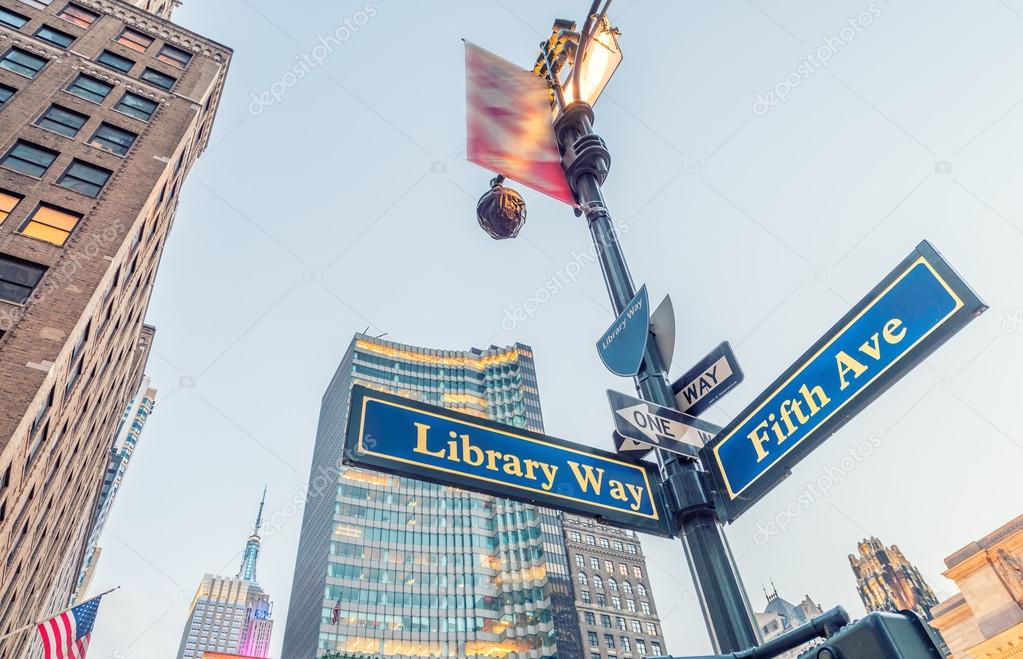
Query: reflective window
[[90, 88], [135, 40], [136, 106], [6, 93], [11, 18], [80, 16], [23, 62], [18, 278], [29, 159], [175, 56], [114, 61], [55, 37], [113, 139], [84, 178], [161, 80], [62, 120]]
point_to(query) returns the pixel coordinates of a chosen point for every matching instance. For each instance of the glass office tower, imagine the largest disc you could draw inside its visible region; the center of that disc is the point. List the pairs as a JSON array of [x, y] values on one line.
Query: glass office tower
[[400, 568]]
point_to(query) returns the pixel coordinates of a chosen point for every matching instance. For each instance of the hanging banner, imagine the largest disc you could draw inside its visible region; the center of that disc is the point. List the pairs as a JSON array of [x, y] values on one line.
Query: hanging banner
[[509, 129]]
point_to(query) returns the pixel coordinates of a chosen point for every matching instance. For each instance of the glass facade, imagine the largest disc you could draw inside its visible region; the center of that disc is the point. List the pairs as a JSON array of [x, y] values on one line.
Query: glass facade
[[401, 568]]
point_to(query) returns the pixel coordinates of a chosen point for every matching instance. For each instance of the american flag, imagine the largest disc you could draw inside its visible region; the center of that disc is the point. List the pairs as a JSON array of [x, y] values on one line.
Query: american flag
[[335, 613], [66, 635]]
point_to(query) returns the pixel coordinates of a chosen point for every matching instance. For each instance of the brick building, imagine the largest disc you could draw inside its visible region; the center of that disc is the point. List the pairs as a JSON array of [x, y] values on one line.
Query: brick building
[[104, 107], [617, 615]]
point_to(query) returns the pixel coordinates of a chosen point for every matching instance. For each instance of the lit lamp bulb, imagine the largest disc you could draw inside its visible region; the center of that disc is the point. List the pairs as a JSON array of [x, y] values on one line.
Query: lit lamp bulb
[[596, 65]]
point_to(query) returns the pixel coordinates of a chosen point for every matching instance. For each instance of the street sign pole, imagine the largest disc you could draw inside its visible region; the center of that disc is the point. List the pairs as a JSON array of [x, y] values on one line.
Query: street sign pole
[[725, 605]]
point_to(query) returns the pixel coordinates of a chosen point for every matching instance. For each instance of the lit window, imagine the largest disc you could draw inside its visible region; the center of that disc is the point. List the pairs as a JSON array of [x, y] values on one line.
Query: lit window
[[135, 40], [637, 571], [80, 16], [651, 629], [29, 159], [7, 203], [62, 120], [18, 278], [90, 88], [175, 56], [84, 178], [136, 106], [55, 37], [6, 93], [113, 139], [609, 566], [114, 61], [161, 80], [23, 62], [12, 19], [51, 224]]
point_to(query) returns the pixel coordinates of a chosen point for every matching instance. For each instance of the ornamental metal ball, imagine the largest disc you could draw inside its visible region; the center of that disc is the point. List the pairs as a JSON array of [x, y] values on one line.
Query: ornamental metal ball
[[501, 211]]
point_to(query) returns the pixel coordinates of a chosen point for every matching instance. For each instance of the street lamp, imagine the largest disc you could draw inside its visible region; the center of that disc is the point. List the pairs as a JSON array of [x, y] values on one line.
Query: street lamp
[[586, 162], [599, 60]]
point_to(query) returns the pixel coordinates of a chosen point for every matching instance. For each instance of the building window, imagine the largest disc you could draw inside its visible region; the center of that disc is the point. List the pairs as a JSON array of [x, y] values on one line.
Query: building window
[[18, 278], [609, 566], [23, 62], [626, 646], [174, 56], [62, 121], [90, 88], [574, 536], [605, 620], [609, 641], [589, 618], [621, 623], [7, 203], [113, 139], [603, 543], [637, 626], [630, 605], [641, 646], [135, 40], [38, 4], [6, 93], [598, 582], [632, 549], [623, 569], [51, 224], [651, 629], [584, 596], [79, 16], [601, 600], [641, 589], [637, 571], [590, 540], [161, 80], [592, 638], [627, 587], [656, 647], [84, 178], [55, 37], [136, 106], [579, 560], [583, 581], [594, 563], [12, 19], [618, 545], [612, 584], [645, 606], [29, 159], [114, 61]]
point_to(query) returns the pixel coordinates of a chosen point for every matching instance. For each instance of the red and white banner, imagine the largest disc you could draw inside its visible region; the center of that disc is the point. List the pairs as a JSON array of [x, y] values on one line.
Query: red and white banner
[[509, 124]]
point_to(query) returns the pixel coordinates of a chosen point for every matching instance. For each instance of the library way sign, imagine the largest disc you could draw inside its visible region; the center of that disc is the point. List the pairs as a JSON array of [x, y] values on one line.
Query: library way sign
[[912, 311]]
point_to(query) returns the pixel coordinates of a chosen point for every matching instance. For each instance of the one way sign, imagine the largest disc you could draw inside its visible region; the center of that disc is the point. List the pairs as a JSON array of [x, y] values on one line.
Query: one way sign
[[642, 426]]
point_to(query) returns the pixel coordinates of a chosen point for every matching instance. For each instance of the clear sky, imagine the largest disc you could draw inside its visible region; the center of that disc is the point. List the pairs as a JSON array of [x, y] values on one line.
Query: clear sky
[[340, 200]]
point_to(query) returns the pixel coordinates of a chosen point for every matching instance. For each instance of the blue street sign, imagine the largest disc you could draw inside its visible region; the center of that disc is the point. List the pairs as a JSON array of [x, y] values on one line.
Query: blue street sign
[[408, 438], [916, 308], [622, 345], [710, 379]]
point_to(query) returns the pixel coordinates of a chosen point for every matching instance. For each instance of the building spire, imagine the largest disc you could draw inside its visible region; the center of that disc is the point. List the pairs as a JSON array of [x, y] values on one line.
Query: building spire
[[247, 571]]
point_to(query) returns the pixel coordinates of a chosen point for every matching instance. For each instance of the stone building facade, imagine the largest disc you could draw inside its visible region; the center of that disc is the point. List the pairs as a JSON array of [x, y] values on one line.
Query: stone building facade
[[103, 109]]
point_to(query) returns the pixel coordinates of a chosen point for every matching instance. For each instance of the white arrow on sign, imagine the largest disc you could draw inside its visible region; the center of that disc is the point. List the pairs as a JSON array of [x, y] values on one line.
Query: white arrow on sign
[[655, 428]]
